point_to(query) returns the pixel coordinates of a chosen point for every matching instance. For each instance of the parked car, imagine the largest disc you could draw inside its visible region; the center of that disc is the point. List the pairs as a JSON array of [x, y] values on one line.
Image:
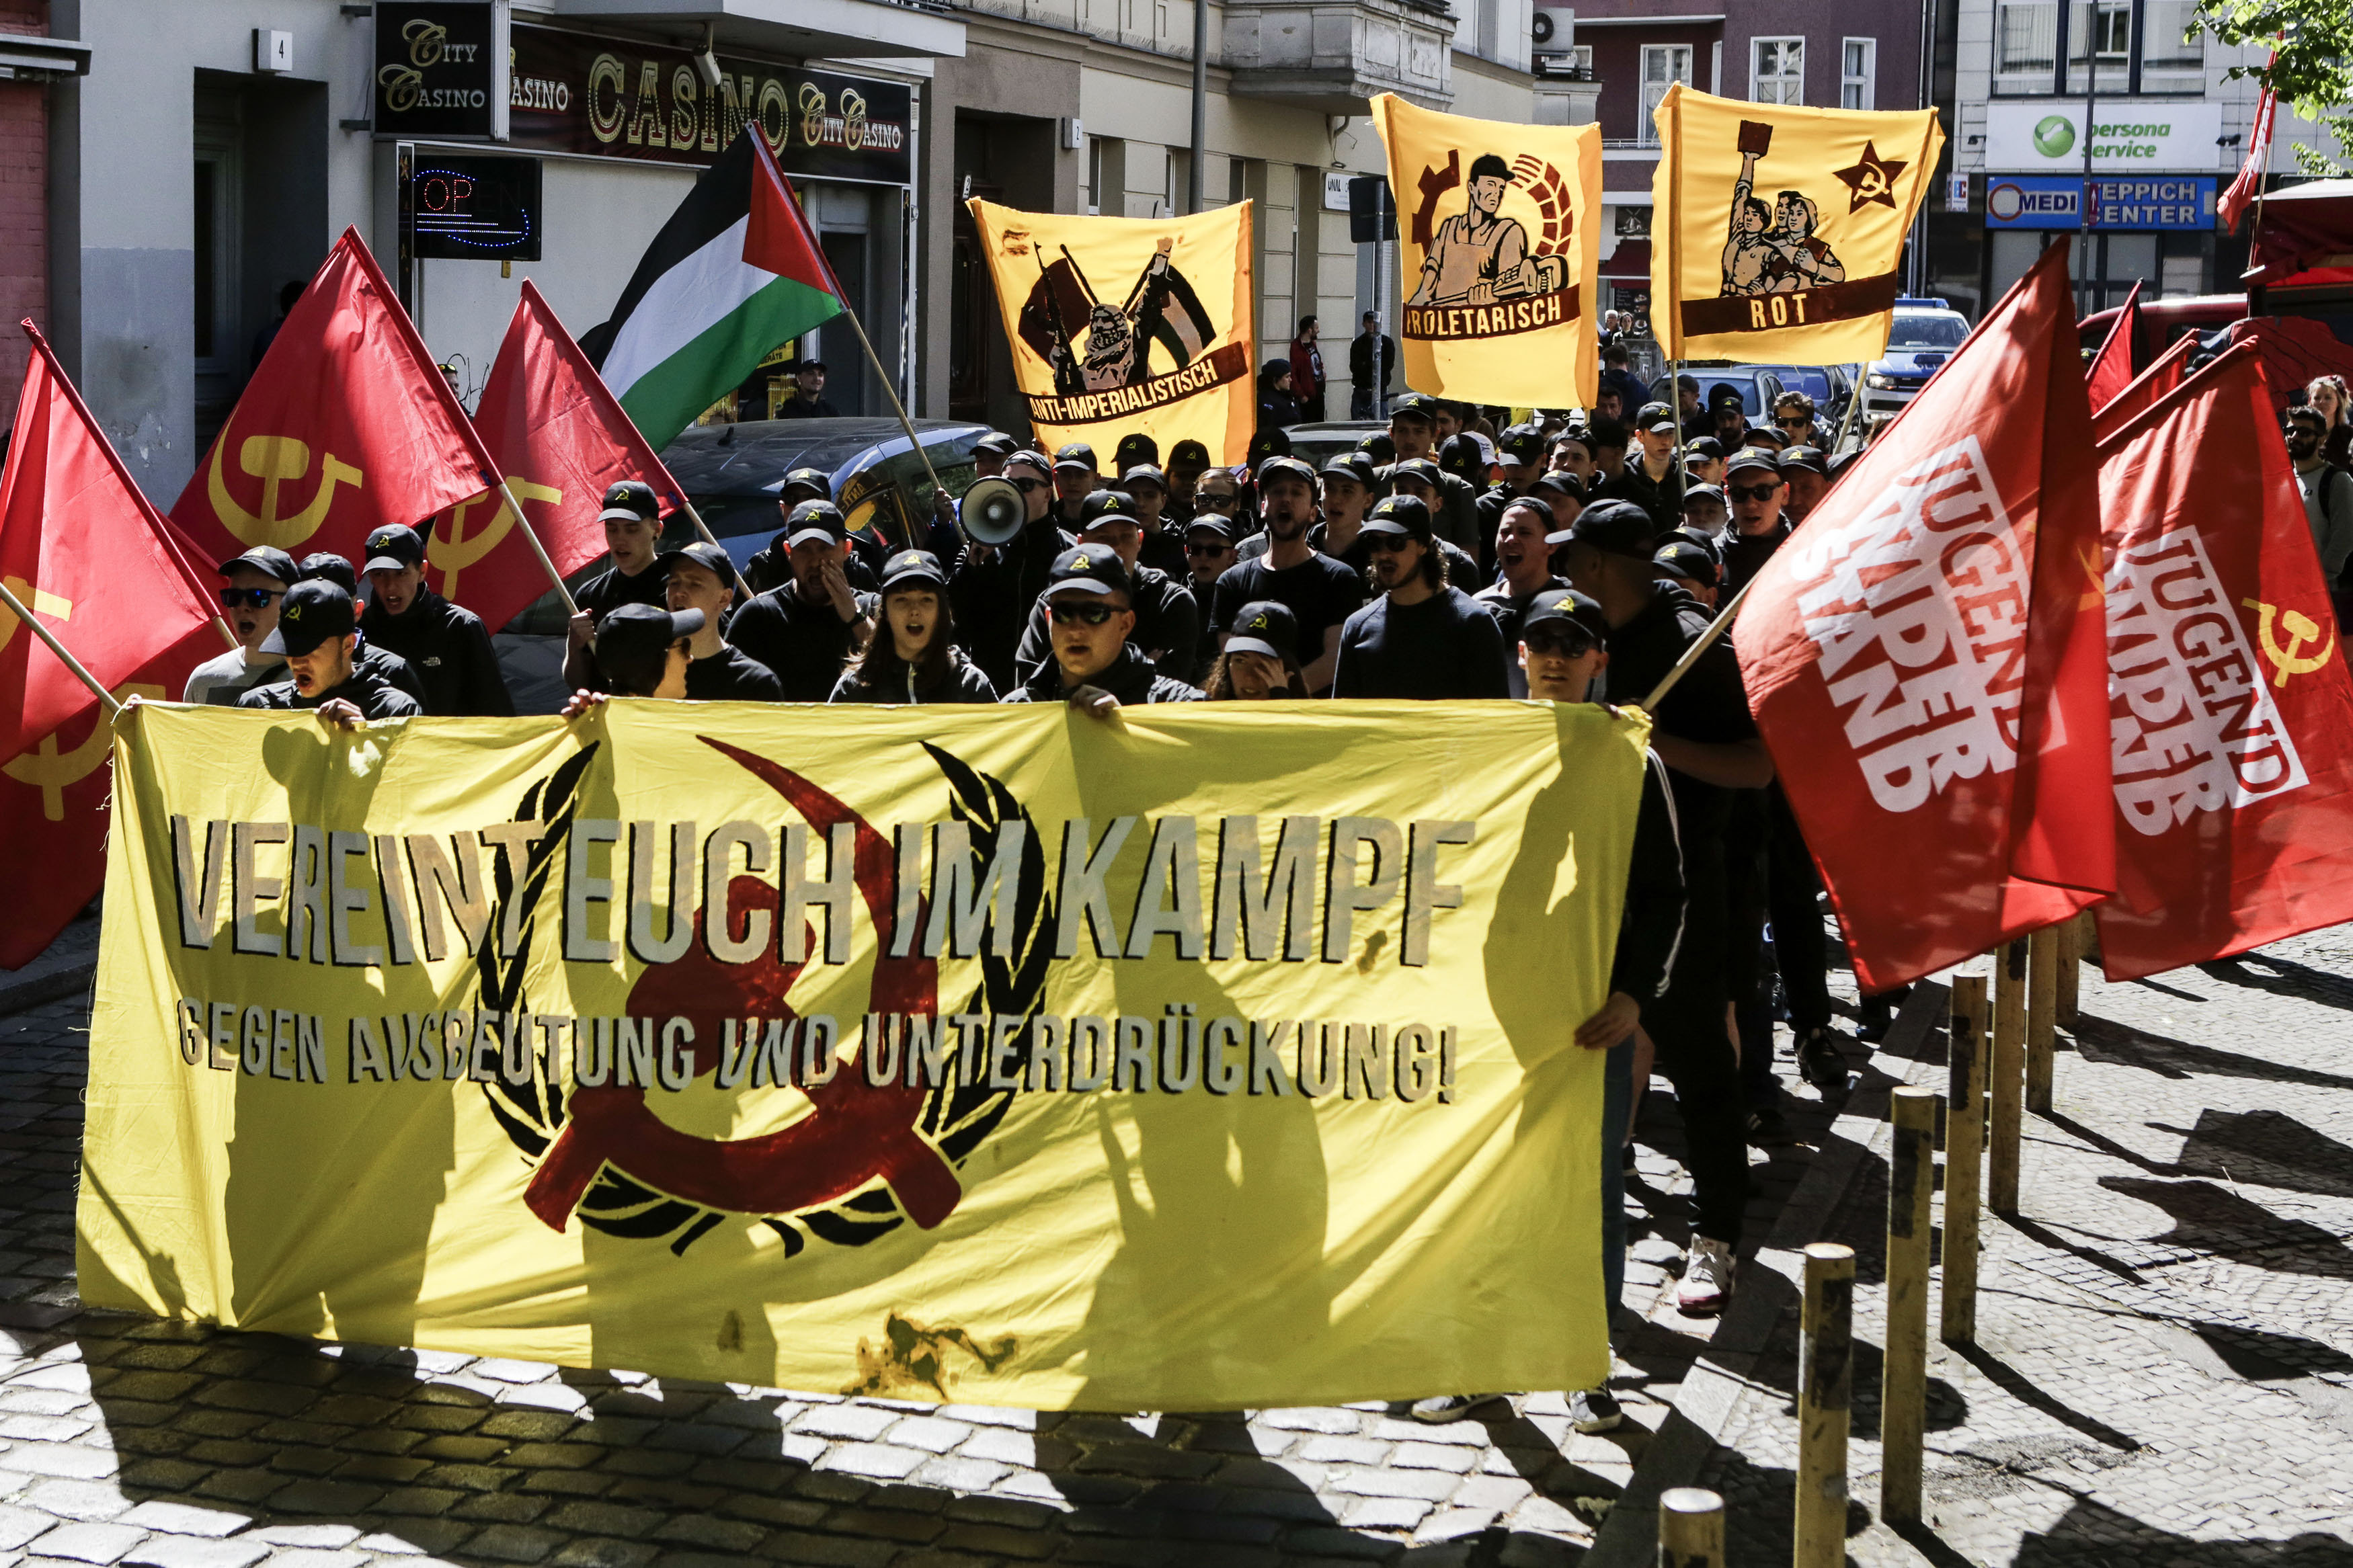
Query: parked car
[[1758, 386], [732, 473], [1315, 444], [1924, 334]]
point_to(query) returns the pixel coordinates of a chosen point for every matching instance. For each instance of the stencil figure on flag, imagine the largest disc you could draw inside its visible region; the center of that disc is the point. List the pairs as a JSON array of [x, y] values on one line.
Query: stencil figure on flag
[[2232, 708], [1924, 657]]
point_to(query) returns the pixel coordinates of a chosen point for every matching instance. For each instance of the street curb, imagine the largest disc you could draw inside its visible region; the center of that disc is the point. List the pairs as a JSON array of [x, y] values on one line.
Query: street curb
[[1711, 1393], [68, 965]]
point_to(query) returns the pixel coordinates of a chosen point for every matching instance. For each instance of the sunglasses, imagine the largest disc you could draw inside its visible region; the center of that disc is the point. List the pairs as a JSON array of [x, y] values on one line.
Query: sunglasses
[[1795, 422], [1208, 547], [1082, 614], [1753, 492], [1219, 497], [1026, 486], [1568, 642], [249, 598], [1386, 544]]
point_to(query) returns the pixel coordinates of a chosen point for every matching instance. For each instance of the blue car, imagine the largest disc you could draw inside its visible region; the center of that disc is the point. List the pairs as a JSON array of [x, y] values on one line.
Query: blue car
[[1925, 335]]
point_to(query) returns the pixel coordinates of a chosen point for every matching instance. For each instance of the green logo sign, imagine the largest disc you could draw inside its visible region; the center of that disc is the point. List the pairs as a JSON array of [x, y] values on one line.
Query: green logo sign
[[2053, 135]]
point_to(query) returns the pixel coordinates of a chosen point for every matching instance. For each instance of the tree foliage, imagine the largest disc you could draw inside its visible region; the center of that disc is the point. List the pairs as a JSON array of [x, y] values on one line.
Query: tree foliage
[[2311, 69]]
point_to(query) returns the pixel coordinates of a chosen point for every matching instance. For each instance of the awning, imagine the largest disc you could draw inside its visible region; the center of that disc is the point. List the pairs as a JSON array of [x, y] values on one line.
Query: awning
[[2301, 229], [801, 29], [1629, 263], [25, 56]]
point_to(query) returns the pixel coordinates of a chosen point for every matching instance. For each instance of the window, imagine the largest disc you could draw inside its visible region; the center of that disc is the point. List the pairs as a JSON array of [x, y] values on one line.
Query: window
[[1095, 175], [1858, 69], [2027, 37], [2168, 42], [2105, 24], [1663, 64], [1777, 71]]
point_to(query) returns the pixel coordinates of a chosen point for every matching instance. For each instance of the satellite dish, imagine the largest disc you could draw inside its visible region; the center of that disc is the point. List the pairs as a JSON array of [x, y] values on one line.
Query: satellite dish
[[993, 511]]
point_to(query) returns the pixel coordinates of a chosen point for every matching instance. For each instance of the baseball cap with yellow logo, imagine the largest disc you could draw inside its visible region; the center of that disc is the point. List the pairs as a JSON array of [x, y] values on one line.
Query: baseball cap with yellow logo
[[1088, 569], [1266, 626], [913, 569]]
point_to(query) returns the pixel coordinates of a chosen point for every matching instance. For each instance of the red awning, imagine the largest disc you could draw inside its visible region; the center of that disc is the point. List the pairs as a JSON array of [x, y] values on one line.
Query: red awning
[[1631, 262]]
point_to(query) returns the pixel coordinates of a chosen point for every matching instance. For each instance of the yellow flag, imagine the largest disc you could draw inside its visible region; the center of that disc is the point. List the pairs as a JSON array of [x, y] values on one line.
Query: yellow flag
[[1777, 230], [1216, 1059], [1500, 246], [1119, 325]]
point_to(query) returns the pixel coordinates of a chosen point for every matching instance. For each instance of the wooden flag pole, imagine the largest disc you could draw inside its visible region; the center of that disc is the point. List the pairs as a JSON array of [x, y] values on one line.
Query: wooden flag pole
[[892, 390], [1699, 646], [531, 536], [8, 598], [712, 539]]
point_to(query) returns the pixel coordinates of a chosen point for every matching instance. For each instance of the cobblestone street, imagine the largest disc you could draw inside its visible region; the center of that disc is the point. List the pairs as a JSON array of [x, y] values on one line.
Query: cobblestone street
[[2164, 1374]]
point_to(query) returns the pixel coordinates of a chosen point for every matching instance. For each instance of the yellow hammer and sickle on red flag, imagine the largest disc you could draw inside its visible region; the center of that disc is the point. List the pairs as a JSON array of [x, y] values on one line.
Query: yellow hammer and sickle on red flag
[[40, 601], [53, 771], [2301, 631], [451, 549], [274, 460]]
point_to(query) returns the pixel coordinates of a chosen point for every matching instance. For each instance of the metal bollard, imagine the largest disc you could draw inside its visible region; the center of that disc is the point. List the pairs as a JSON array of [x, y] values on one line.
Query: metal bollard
[[2005, 1083], [2041, 1015], [1903, 1377], [2071, 968], [1963, 1158], [1690, 1528], [1825, 1387]]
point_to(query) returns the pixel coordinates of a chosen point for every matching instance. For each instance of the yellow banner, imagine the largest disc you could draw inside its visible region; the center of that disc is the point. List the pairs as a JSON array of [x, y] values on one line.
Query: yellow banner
[[1219, 1057], [1779, 231], [1499, 247], [1123, 324]]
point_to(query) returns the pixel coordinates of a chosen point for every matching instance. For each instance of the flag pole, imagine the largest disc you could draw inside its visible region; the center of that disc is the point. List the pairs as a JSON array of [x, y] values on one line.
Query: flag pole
[[1691, 655], [892, 390], [42, 632], [531, 536], [712, 539]]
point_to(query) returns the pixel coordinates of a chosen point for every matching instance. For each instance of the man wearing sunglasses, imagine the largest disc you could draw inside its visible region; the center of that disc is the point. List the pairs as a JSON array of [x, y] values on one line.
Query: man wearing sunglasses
[[256, 583], [1757, 496], [1168, 620], [993, 586], [1423, 638], [1704, 735], [1795, 416], [1094, 668]]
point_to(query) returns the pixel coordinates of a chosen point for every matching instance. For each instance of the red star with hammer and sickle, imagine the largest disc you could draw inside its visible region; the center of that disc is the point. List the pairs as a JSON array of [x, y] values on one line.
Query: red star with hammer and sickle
[[1872, 179]]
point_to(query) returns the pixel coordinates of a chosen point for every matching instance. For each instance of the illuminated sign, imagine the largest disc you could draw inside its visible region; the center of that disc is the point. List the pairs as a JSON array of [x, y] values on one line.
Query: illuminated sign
[[441, 69], [465, 207]]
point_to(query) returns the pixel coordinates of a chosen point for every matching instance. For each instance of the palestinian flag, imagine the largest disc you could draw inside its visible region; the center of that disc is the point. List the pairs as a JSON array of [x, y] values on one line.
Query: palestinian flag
[[734, 272]]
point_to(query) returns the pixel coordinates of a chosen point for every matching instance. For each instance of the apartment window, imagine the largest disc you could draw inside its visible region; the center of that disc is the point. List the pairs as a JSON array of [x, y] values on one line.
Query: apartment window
[[2167, 40], [1777, 71], [1858, 69], [1095, 175], [2027, 37], [2105, 26], [1663, 64]]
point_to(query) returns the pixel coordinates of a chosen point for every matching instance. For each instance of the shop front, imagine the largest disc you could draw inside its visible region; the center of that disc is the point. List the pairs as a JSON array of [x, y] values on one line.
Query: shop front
[[2144, 214]]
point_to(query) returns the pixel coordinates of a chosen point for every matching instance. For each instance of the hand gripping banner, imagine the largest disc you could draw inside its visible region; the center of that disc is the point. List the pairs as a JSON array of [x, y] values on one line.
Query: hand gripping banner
[[1192, 1061], [1501, 245], [1125, 324], [1777, 231]]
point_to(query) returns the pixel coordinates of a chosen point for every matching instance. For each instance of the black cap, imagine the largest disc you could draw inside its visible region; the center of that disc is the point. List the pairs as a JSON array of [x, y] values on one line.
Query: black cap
[[1654, 418], [1681, 558], [393, 548], [1414, 406], [1408, 515], [912, 569], [1144, 473], [703, 553], [1756, 433], [1703, 492], [815, 520], [1522, 444], [1033, 458], [630, 497], [1209, 521], [1721, 393], [628, 634], [329, 567], [1106, 506], [1075, 455], [265, 558], [1580, 434], [1751, 458], [1704, 447], [1380, 447], [1566, 604], [1466, 455], [1266, 626], [1538, 504], [811, 362], [1356, 465], [997, 444], [1700, 538], [1813, 459], [1559, 480], [1135, 448], [1618, 527], [1284, 467], [313, 612], [1271, 442], [1421, 468], [1606, 432], [1089, 569], [817, 481], [1188, 451]]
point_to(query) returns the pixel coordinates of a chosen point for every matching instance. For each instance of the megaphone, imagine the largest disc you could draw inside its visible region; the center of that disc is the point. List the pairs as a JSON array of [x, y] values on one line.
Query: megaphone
[[992, 511]]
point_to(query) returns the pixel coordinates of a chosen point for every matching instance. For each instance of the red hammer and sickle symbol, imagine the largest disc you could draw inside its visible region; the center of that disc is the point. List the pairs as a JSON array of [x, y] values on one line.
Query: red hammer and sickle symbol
[[855, 1132]]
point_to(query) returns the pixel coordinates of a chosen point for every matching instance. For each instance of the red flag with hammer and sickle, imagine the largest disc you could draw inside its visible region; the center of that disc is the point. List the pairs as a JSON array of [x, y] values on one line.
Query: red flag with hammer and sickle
[[561, 438], [2232, 709], [346, 427], [1924, 657], [84, 551]]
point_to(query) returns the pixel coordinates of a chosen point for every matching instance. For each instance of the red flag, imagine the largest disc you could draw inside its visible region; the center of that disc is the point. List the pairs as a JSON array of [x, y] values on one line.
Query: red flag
[[2249, 184], [2111, 369], [346, 427], [2232, 711], [53, 804], [85, 552], [561, 438], [1924, 657], [777, 237], [2144, 389]]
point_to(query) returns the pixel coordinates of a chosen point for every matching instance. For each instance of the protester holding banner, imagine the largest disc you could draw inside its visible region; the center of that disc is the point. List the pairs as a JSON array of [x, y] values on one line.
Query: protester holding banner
[[1168, 620], [317, 635], [445, 646], [632, 522], [698, 576], [257, 579], [1422, 638], [806, 629], [913, 656], [1095, 666]]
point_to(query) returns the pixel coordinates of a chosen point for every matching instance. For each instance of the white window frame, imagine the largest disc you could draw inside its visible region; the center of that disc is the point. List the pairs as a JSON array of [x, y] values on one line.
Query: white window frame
[[1653, 90], [1858, 85], [1784, 79]]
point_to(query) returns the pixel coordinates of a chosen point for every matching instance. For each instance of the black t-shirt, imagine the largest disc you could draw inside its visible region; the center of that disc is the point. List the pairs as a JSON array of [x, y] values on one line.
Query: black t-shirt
[[1507, 607], [804, 643], [610, 589], [1320, 593], [1744, 554], [1709, 704], [1164, 551], [1446, 646], [728, 675]]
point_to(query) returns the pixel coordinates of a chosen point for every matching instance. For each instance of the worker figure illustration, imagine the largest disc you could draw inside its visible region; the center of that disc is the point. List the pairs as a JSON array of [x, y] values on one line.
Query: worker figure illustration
[[1094, 345], [1774, 249], [1478, 257]]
